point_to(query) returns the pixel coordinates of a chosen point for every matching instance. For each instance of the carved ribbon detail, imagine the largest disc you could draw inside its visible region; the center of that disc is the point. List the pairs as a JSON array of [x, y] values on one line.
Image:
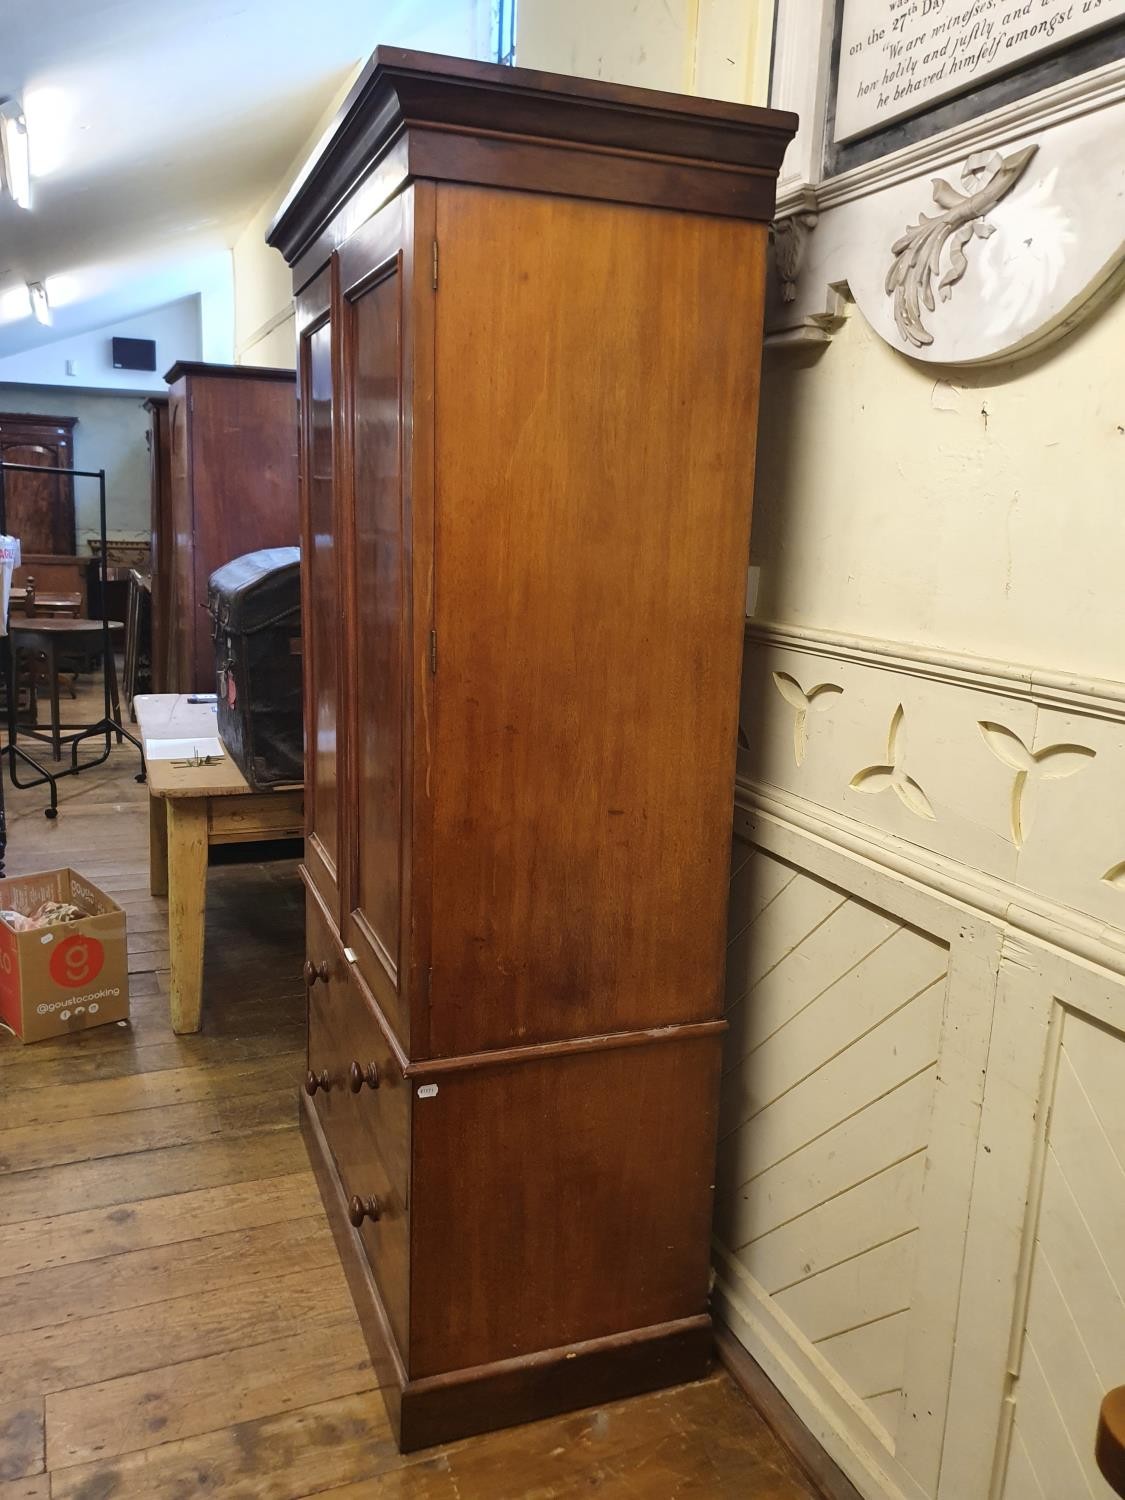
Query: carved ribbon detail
[[987, 177]]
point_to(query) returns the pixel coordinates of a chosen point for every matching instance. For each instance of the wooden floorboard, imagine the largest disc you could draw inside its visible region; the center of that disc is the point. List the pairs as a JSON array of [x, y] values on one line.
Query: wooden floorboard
[[174, 1321]]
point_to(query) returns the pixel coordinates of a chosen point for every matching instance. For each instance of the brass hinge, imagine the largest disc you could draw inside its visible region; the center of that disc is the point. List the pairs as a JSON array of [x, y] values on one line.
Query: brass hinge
[[435, 265], [433, 653]]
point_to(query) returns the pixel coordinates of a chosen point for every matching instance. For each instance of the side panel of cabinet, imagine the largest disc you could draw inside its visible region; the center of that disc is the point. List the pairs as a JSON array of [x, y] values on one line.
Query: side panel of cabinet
[[386, 484], [321, 592], [596, 399], [244, 478], [561, 1199], [162, 545], [180, 604]]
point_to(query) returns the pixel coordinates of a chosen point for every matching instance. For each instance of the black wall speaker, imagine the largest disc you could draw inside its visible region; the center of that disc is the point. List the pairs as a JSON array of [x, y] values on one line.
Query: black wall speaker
[[134, 354]]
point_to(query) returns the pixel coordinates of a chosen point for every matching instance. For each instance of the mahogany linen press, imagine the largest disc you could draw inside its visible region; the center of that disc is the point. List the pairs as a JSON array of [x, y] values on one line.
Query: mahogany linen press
[[529, 315]]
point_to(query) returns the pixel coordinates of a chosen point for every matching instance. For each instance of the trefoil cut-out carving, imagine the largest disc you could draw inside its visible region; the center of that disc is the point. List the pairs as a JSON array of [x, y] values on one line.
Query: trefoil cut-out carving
[[987, 177], [1115, 876], [1052, 763], [816, 700], [893, 777]]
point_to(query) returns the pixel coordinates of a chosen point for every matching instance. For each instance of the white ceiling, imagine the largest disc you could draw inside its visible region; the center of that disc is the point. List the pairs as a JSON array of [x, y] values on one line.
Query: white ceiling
[[158, 127]]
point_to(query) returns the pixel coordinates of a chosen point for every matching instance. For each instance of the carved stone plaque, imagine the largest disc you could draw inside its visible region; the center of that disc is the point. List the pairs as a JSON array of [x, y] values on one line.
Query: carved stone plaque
[[900, 56]]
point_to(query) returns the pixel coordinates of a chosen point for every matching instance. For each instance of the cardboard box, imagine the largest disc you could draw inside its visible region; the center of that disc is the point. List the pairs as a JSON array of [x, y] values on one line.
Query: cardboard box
[[67, 977]]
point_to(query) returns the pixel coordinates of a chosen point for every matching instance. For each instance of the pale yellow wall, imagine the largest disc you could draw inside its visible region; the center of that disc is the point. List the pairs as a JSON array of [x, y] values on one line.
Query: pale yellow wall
[[263, 288], [263, 296], [979, 512], [718, 48]]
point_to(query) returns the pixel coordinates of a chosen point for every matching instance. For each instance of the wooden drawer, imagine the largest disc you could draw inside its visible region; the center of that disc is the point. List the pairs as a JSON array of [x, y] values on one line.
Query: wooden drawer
[[367, 1128]]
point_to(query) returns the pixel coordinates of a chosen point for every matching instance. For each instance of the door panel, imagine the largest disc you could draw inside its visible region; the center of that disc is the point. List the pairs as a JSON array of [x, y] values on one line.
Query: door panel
[[375, 271], [379, 599], [385, 331], [40, 509], [322, 597]]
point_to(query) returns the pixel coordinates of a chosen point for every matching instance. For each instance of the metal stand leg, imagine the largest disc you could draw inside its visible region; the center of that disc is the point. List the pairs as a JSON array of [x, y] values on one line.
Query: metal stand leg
[[110, 723]]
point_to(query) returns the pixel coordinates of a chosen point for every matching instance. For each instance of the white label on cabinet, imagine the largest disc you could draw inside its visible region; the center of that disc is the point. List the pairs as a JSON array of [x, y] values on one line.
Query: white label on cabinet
[[427, 1090]]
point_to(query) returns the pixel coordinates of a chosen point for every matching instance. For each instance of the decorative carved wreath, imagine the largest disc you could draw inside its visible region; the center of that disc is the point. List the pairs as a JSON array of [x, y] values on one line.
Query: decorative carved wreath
[[987, 177]]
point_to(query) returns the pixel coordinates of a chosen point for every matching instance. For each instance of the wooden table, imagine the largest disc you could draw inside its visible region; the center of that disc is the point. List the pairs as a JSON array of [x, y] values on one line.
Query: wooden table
[[54, 637], [191, 808]]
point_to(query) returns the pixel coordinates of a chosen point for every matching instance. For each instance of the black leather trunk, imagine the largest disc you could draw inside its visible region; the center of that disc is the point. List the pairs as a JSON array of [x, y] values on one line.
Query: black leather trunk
[[255, 604]]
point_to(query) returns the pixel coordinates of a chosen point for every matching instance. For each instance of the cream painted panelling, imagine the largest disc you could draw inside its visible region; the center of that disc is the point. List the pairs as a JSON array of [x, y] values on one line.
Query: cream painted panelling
[[1074, 1344], [835, 1010], [999, 771], [860, 1012]]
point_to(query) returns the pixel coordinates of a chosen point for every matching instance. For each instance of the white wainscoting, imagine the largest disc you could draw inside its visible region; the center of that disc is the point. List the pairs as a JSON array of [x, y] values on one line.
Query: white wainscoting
[[920, 1228]]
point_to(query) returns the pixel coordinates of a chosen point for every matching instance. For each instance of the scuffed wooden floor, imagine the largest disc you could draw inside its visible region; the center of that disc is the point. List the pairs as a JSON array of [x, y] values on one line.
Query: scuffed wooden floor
[[173, 1319]]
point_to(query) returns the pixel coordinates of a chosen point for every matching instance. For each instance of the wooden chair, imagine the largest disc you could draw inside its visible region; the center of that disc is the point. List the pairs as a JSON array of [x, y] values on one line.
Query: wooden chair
[[1109, 1447], [138, 639], [27, 599]]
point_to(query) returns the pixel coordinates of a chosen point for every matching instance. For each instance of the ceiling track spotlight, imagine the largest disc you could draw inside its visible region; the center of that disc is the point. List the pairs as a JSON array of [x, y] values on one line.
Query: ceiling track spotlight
[[14, 157]]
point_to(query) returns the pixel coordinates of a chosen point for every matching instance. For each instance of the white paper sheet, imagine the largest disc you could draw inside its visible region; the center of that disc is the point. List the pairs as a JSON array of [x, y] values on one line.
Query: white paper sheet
[[9, 560], [183, 749]]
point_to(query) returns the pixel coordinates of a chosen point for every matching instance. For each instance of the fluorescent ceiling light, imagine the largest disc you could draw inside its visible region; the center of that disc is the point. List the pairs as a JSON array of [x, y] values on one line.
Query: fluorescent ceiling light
[[49, 122], [40, 306], [13, 152]]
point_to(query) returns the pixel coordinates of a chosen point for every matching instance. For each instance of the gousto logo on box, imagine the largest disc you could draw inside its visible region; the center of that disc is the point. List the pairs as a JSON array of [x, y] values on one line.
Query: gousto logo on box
[[77, 961]]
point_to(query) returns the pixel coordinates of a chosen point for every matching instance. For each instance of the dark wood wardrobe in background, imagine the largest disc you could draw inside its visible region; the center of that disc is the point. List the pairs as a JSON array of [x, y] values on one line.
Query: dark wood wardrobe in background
[[529, 314], [224, 482], [40, 509], [159, 443]]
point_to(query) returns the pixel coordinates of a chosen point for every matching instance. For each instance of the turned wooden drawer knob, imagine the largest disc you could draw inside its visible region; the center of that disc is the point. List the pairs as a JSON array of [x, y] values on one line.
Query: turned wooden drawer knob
[[358, 1076], [364, 1208], [313, 972], [314, 1081], [1109, 1449]]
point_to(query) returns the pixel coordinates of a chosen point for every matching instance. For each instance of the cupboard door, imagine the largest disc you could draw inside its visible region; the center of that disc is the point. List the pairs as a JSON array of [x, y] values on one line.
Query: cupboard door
[[378, 326], [40, 508], [321, 602]]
